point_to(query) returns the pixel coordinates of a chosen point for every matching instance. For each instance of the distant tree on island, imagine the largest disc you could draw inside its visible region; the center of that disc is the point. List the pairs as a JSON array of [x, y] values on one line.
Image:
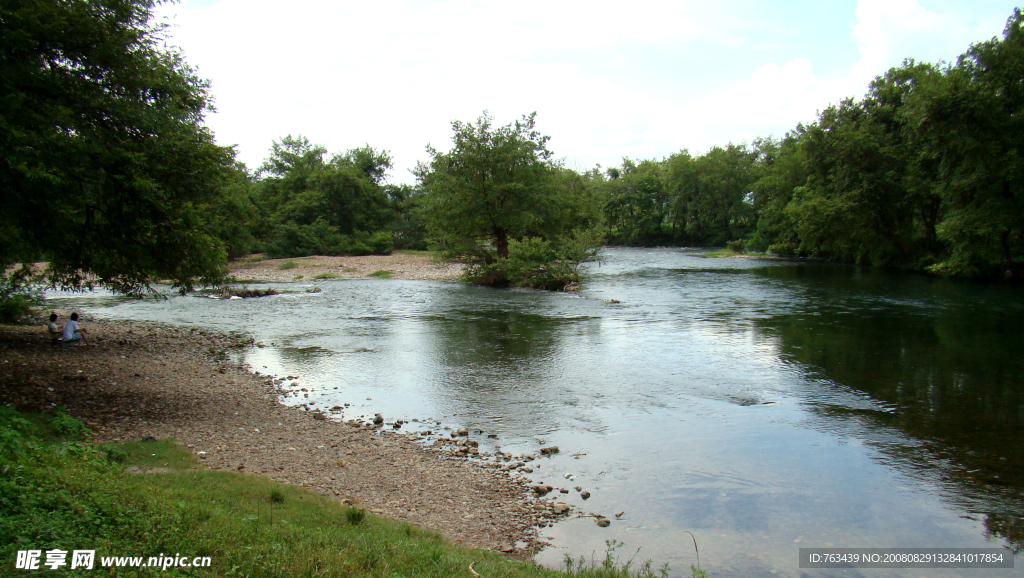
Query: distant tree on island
[[498, 202]]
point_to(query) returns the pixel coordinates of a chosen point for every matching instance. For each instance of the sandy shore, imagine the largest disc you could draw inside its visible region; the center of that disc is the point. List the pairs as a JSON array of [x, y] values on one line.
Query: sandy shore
[[148, 381], [400, 265]]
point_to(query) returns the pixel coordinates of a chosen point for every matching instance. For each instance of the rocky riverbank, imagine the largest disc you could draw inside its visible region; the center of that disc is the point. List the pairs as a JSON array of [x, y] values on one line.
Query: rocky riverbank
[[141, 380]]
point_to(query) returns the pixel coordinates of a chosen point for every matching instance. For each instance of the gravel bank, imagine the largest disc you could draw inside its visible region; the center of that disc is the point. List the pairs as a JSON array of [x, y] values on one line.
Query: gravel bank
[[169, 383], [400, 265]]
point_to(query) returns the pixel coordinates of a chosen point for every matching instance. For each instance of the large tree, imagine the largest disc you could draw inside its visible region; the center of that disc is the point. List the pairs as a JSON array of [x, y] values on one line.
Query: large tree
[[493, 185], [497, 199], [105, 163]]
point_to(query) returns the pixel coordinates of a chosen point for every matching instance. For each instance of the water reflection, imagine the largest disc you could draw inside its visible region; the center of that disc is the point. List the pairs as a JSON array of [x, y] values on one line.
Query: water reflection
[[939, 361]]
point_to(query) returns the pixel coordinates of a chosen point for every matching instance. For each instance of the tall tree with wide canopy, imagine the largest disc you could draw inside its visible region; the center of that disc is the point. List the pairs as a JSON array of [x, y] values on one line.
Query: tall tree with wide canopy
[[496, 192], [104, 159], [494, 184]]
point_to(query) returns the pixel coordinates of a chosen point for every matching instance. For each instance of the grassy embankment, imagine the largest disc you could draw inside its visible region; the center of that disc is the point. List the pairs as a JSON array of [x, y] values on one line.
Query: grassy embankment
[[150, 499]]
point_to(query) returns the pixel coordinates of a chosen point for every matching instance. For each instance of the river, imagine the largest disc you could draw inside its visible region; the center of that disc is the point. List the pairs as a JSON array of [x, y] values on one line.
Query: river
[[761, 405]]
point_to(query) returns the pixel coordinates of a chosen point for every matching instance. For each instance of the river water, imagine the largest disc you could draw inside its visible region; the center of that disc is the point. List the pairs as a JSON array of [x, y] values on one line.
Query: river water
[[762, 406]]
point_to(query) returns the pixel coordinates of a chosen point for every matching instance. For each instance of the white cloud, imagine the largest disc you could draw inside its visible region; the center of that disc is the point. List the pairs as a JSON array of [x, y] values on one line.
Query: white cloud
[[394, 74]]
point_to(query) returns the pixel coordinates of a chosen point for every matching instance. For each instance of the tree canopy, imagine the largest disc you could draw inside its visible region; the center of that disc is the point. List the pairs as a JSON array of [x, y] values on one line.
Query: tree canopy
[[104, 158], [498, 201]]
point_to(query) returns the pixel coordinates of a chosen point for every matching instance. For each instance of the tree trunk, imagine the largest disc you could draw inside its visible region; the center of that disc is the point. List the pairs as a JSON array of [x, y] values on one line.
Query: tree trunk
[[501, 242]]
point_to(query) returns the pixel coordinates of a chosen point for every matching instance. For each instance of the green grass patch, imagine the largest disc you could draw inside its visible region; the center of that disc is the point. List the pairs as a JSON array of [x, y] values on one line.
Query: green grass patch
[[721, 253], [383, 274], [148, 498], [297, 277], [418, 253], [325, 276], [348, 269], [287, 265]]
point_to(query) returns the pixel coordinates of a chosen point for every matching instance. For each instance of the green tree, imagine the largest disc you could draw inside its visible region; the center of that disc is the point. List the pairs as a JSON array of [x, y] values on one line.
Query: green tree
[[491, 186], [636, 204], [972, 121], [104, 159], [784, 168], [333, 207], [712, 202], [497, 192]]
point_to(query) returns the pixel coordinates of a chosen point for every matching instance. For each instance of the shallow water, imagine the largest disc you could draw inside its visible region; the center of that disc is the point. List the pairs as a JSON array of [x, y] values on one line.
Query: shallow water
[[763, 406]]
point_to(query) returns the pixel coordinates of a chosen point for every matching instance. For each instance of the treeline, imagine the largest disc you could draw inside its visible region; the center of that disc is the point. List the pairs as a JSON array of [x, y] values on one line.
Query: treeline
[[300, 202], [923, 173]]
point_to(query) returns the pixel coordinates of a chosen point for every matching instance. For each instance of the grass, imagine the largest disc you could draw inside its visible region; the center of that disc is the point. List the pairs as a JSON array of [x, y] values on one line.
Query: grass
[[348, 269], [720, 253], [287, 265], [325, 276], [383, 274], [150, 497], [415, 252]]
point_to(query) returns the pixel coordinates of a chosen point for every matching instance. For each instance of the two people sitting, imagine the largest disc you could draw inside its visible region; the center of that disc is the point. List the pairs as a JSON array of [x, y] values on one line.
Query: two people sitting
[[72, 332]]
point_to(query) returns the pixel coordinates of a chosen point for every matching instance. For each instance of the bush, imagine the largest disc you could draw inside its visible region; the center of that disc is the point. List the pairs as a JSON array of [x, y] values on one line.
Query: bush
[[17, 298], [737, 246], [67, 426], [538, 263]]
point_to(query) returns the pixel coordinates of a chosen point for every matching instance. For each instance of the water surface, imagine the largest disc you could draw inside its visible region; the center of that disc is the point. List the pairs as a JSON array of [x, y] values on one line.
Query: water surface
[[763, 406]]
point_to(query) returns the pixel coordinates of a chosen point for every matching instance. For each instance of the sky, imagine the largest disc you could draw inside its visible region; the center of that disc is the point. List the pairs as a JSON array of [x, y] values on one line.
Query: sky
[[607, 80]]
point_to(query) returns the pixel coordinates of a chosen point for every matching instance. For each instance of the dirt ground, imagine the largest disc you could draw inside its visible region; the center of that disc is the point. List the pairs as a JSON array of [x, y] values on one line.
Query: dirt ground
[[401, 265], [139, 380]]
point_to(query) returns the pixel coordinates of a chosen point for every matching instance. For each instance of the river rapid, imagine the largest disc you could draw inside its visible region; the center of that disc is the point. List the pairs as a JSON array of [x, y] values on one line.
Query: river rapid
[[761, 405]]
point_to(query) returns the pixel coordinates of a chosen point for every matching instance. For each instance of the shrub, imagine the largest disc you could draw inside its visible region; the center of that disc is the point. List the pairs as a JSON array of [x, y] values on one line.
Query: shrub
[[67, 426], [354, 515], [737, 246], [537, 263], [17, 298]]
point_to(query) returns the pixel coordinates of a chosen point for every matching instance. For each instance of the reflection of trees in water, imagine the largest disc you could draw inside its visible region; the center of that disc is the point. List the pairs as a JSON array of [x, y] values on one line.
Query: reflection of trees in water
[[949, 378], [507, 341], [505, 363], [1006, 527]]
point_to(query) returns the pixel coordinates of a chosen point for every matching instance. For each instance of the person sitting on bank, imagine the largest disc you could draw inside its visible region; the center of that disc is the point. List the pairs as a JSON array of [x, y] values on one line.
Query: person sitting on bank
[[72, 331], [53, 329]]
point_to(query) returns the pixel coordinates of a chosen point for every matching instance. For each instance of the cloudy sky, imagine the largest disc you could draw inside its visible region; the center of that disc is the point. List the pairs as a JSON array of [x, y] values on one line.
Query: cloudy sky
[[608, 80]]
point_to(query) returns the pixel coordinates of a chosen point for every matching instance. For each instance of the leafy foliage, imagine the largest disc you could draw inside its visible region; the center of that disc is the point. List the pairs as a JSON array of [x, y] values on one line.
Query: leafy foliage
[[17, 297], [317, 207], [497, 201], [104, 160]]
